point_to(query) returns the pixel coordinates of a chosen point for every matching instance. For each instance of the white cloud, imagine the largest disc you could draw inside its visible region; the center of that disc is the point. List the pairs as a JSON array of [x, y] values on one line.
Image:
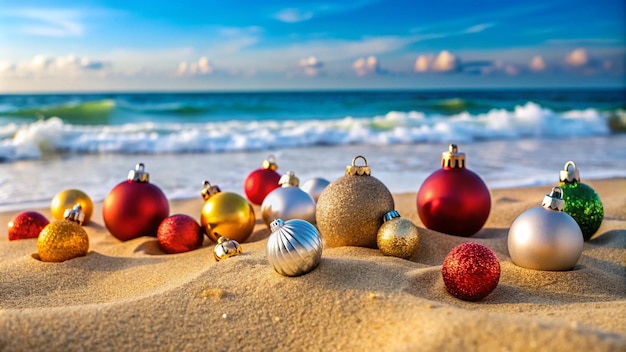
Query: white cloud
[[311, 66], [423, 63], [512, 70], [478, 28], [200, 67], [367, 66], [446, 62], [293, 15], [537, 64], [50, 22], [43, 65], [577, 58]]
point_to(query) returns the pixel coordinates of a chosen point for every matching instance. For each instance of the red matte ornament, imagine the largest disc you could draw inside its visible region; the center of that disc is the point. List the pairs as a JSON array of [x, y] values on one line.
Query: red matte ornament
[[180, 233], [471, 271], [260, 182], [26, 225], [134, 207], [453, 199]]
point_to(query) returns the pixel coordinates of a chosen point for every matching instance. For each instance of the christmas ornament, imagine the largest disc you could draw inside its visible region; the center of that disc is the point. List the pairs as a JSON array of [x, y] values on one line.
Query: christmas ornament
[[315, 186], [67, 199], [397, 236], [134, 207], [26, 225], [581, 202], [179, 233], [226, 248], [226, 214], [288, 202], [294, 248], [470, 271], [453, 199], [260, 182], [546, 238], [351, 209], [64, 239]]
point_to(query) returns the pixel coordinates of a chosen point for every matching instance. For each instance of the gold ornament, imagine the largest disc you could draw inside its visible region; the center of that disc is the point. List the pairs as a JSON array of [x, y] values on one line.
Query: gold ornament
[[397, 236], [226, 214], [65, 239], [226, 248], [350, 210], [67, 199]]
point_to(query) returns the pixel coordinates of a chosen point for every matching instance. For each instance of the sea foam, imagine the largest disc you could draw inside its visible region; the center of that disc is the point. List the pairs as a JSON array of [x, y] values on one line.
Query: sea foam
[[54, 136]]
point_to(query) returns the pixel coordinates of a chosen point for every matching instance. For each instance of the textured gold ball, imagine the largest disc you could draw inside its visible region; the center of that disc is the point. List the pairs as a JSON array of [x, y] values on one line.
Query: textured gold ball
[[398, 237], [350, 210], [228, 214], [67, 199], [61, 241]]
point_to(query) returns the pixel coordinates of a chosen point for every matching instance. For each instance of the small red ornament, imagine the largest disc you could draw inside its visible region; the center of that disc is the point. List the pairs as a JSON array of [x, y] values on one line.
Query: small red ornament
[[179, 233], [261, 182], [134, 207], [26, 225], [471, 271], [453, 199]]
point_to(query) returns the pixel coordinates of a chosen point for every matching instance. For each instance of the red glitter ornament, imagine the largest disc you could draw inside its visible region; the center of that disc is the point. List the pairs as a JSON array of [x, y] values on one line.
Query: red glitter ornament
[[134, 207], [179, 233], [26, 225], [471, 271], [453, 199], [260, 182]]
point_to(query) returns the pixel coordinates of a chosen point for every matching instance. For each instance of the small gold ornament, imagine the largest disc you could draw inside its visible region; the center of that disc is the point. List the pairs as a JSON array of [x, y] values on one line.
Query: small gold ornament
[[350, 210], [226, 248], [67, 199], [65, 239], [397, 236], [226, 214]]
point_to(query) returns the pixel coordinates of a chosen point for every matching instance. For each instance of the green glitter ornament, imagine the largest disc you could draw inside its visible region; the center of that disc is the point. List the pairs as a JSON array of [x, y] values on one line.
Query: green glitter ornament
[[581, 201]]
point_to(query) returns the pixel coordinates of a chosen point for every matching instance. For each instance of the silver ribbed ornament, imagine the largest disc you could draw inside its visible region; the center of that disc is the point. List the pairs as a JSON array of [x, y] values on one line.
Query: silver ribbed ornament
[[546, 238], [294, 248]]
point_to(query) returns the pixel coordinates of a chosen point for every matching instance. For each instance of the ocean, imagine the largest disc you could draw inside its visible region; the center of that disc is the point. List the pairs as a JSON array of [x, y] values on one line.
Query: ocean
[[511, 138]]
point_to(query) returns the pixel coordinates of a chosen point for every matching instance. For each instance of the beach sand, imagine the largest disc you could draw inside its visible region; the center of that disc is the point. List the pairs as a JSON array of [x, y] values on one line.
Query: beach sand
[[132, 296]]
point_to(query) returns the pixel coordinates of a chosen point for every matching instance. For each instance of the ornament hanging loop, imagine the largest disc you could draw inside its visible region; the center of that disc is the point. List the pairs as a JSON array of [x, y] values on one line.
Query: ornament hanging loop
[[209, 190], [554, 200], [354, 170], [289, 180], [569, 174], [139, 174]]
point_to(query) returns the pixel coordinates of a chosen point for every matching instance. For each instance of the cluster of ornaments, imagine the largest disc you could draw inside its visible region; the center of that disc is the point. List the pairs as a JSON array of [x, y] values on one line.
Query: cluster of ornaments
[[354, 210]]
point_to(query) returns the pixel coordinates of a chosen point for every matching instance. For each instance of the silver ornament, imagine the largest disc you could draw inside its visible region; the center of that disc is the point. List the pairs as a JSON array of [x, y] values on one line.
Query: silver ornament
[[288, 202], [294, 248], [315, 186], [226, 248], [546, 238]]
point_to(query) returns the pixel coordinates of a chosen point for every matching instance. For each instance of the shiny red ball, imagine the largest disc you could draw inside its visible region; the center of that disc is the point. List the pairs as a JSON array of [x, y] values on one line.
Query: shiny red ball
[[471, 271], [134, 209], [179, 233], [455, 201], [26, 225], [259, 184]]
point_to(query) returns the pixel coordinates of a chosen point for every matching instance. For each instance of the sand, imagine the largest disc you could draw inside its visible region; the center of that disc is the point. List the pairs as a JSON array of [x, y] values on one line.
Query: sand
[[132, 296]]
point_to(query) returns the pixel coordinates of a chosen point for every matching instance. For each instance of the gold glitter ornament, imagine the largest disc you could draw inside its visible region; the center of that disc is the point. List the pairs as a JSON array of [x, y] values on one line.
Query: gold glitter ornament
[[67, 199], [397, 236], [65, 239], [350, 210]]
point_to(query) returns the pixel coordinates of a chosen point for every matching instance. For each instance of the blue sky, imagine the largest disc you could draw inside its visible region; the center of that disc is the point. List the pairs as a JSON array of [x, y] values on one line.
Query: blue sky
[[250, 45]]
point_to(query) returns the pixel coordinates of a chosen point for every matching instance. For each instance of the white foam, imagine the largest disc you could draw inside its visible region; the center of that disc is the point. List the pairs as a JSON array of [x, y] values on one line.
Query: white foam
[[32, 140]]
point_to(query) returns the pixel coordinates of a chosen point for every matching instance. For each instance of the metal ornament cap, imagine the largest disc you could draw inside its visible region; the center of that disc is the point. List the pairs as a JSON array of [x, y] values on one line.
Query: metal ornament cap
[[208, 190], [569, 174], [226, 248], [139, 174], [355, 170], [75, 214], [397, 236], [554, 200], [270, 163], [452, 159], [294, 248], [289, 179]]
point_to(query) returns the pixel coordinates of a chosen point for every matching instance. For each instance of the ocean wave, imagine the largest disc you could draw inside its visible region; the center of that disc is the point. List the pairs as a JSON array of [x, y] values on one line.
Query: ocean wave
[[53, 135], [91, 112]]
